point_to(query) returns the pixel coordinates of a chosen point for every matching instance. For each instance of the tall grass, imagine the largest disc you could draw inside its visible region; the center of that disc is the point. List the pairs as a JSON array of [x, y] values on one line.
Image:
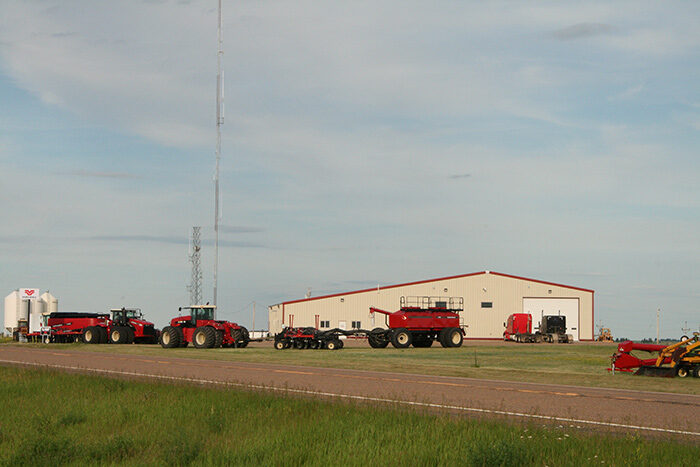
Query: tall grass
[[55, 418]]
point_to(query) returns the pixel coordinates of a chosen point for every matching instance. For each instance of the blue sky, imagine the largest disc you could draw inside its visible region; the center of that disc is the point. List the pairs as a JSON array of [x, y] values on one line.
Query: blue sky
[[364, 143]]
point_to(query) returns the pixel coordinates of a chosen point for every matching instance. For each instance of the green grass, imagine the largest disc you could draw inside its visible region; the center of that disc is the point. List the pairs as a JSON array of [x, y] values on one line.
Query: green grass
[[572, 364], [59, 418]]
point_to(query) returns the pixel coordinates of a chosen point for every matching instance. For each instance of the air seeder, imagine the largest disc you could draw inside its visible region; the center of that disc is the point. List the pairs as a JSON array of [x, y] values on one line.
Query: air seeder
[[419, 322]]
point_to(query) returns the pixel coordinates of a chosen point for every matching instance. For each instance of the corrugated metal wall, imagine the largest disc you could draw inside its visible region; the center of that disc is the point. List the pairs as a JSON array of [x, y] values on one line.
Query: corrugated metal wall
[[504, 293]]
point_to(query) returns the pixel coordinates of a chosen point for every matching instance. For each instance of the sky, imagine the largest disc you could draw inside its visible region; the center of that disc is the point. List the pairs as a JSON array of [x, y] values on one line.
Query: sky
[[364, 144]]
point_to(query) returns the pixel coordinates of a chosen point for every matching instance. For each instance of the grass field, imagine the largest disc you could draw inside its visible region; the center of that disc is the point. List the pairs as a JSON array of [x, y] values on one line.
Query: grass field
[[576, 364], [59, 418]]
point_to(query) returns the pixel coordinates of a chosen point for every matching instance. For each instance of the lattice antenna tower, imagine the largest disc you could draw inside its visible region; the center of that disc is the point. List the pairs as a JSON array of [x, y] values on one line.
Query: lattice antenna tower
[[195, 286]]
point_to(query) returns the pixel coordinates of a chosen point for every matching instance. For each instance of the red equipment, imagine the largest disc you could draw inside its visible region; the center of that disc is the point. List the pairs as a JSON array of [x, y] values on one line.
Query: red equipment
[[517, 325], [552, 328], [420, 321], [128, 326], [90, 328], [200, 328], [679, 359]]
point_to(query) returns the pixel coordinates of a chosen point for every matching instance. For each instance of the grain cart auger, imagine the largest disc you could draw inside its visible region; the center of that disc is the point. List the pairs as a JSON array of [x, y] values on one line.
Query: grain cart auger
[[200, 328], [420, 321], [679, 359]]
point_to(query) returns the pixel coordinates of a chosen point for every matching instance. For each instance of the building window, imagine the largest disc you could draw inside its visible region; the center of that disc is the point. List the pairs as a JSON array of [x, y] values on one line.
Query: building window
[[325, 324], [356, 325], [486, 304]]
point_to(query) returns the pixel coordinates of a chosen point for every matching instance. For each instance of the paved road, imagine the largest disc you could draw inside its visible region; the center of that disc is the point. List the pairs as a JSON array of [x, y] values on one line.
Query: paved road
[[609, 409]]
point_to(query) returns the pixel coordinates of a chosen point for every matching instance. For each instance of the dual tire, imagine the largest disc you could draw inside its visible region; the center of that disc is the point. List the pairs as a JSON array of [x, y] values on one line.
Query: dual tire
[[401, 338], [121, 335], [204, 337], [170, 337], [451, 337], [94, 335]]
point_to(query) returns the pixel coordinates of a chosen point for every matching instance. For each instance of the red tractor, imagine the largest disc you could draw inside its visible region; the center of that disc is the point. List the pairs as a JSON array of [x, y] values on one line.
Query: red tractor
[[200, 328], [128, 326], [420, 321]]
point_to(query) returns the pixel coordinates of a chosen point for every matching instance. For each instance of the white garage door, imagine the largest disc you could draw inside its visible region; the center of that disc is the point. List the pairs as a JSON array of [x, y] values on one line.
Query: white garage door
[[568, 307]]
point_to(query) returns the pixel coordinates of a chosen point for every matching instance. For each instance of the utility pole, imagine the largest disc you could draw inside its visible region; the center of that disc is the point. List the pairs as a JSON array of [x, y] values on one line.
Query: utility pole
[[219, 122]]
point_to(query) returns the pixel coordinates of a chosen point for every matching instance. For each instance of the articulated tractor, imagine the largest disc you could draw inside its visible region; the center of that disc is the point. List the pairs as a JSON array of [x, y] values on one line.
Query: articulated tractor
[[201, 329]]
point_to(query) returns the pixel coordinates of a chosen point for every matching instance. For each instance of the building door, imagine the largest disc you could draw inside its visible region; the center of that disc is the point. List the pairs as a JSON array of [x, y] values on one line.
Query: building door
[[568, 307]]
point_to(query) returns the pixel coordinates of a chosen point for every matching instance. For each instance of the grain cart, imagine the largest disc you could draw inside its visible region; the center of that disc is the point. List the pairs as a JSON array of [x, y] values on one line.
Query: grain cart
[[128, 326], [552, 328], [202, 330], [420, 321], [90, 328], [312, 338], [679, 359]]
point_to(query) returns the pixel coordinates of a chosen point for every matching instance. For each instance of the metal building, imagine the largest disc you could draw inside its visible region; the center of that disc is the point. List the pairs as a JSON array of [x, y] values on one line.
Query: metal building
[[489, 298]]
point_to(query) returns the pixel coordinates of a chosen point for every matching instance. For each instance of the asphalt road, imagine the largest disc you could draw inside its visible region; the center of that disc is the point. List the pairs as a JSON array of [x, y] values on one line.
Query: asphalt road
[[571, 406]]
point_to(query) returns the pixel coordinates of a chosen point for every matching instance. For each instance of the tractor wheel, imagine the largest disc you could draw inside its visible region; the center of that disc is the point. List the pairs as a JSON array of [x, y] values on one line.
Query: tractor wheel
[[279, 345], [170, 337], [104, 338], [682, 371], [204, 337], [219, 339], [130, 335], [245, 338], [377, 338], [298, 344], [341, 343], [453, 337], [401, 338], [696, 371], [91, 335], [314, 344], [118, 335]]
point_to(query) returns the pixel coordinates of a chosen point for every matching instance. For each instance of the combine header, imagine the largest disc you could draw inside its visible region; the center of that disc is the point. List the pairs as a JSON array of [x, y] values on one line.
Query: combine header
[[679, 359]]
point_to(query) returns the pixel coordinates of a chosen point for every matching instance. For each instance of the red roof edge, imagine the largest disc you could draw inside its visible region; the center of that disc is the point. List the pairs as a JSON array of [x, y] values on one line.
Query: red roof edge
[[459, 276], [543, 282]]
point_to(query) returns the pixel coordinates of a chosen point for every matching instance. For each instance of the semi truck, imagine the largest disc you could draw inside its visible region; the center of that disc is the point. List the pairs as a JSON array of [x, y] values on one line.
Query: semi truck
[[552, 328]]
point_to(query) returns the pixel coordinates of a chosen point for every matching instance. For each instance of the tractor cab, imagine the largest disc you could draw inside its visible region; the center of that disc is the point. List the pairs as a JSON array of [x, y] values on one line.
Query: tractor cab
[[121, 316], [197, 313]]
